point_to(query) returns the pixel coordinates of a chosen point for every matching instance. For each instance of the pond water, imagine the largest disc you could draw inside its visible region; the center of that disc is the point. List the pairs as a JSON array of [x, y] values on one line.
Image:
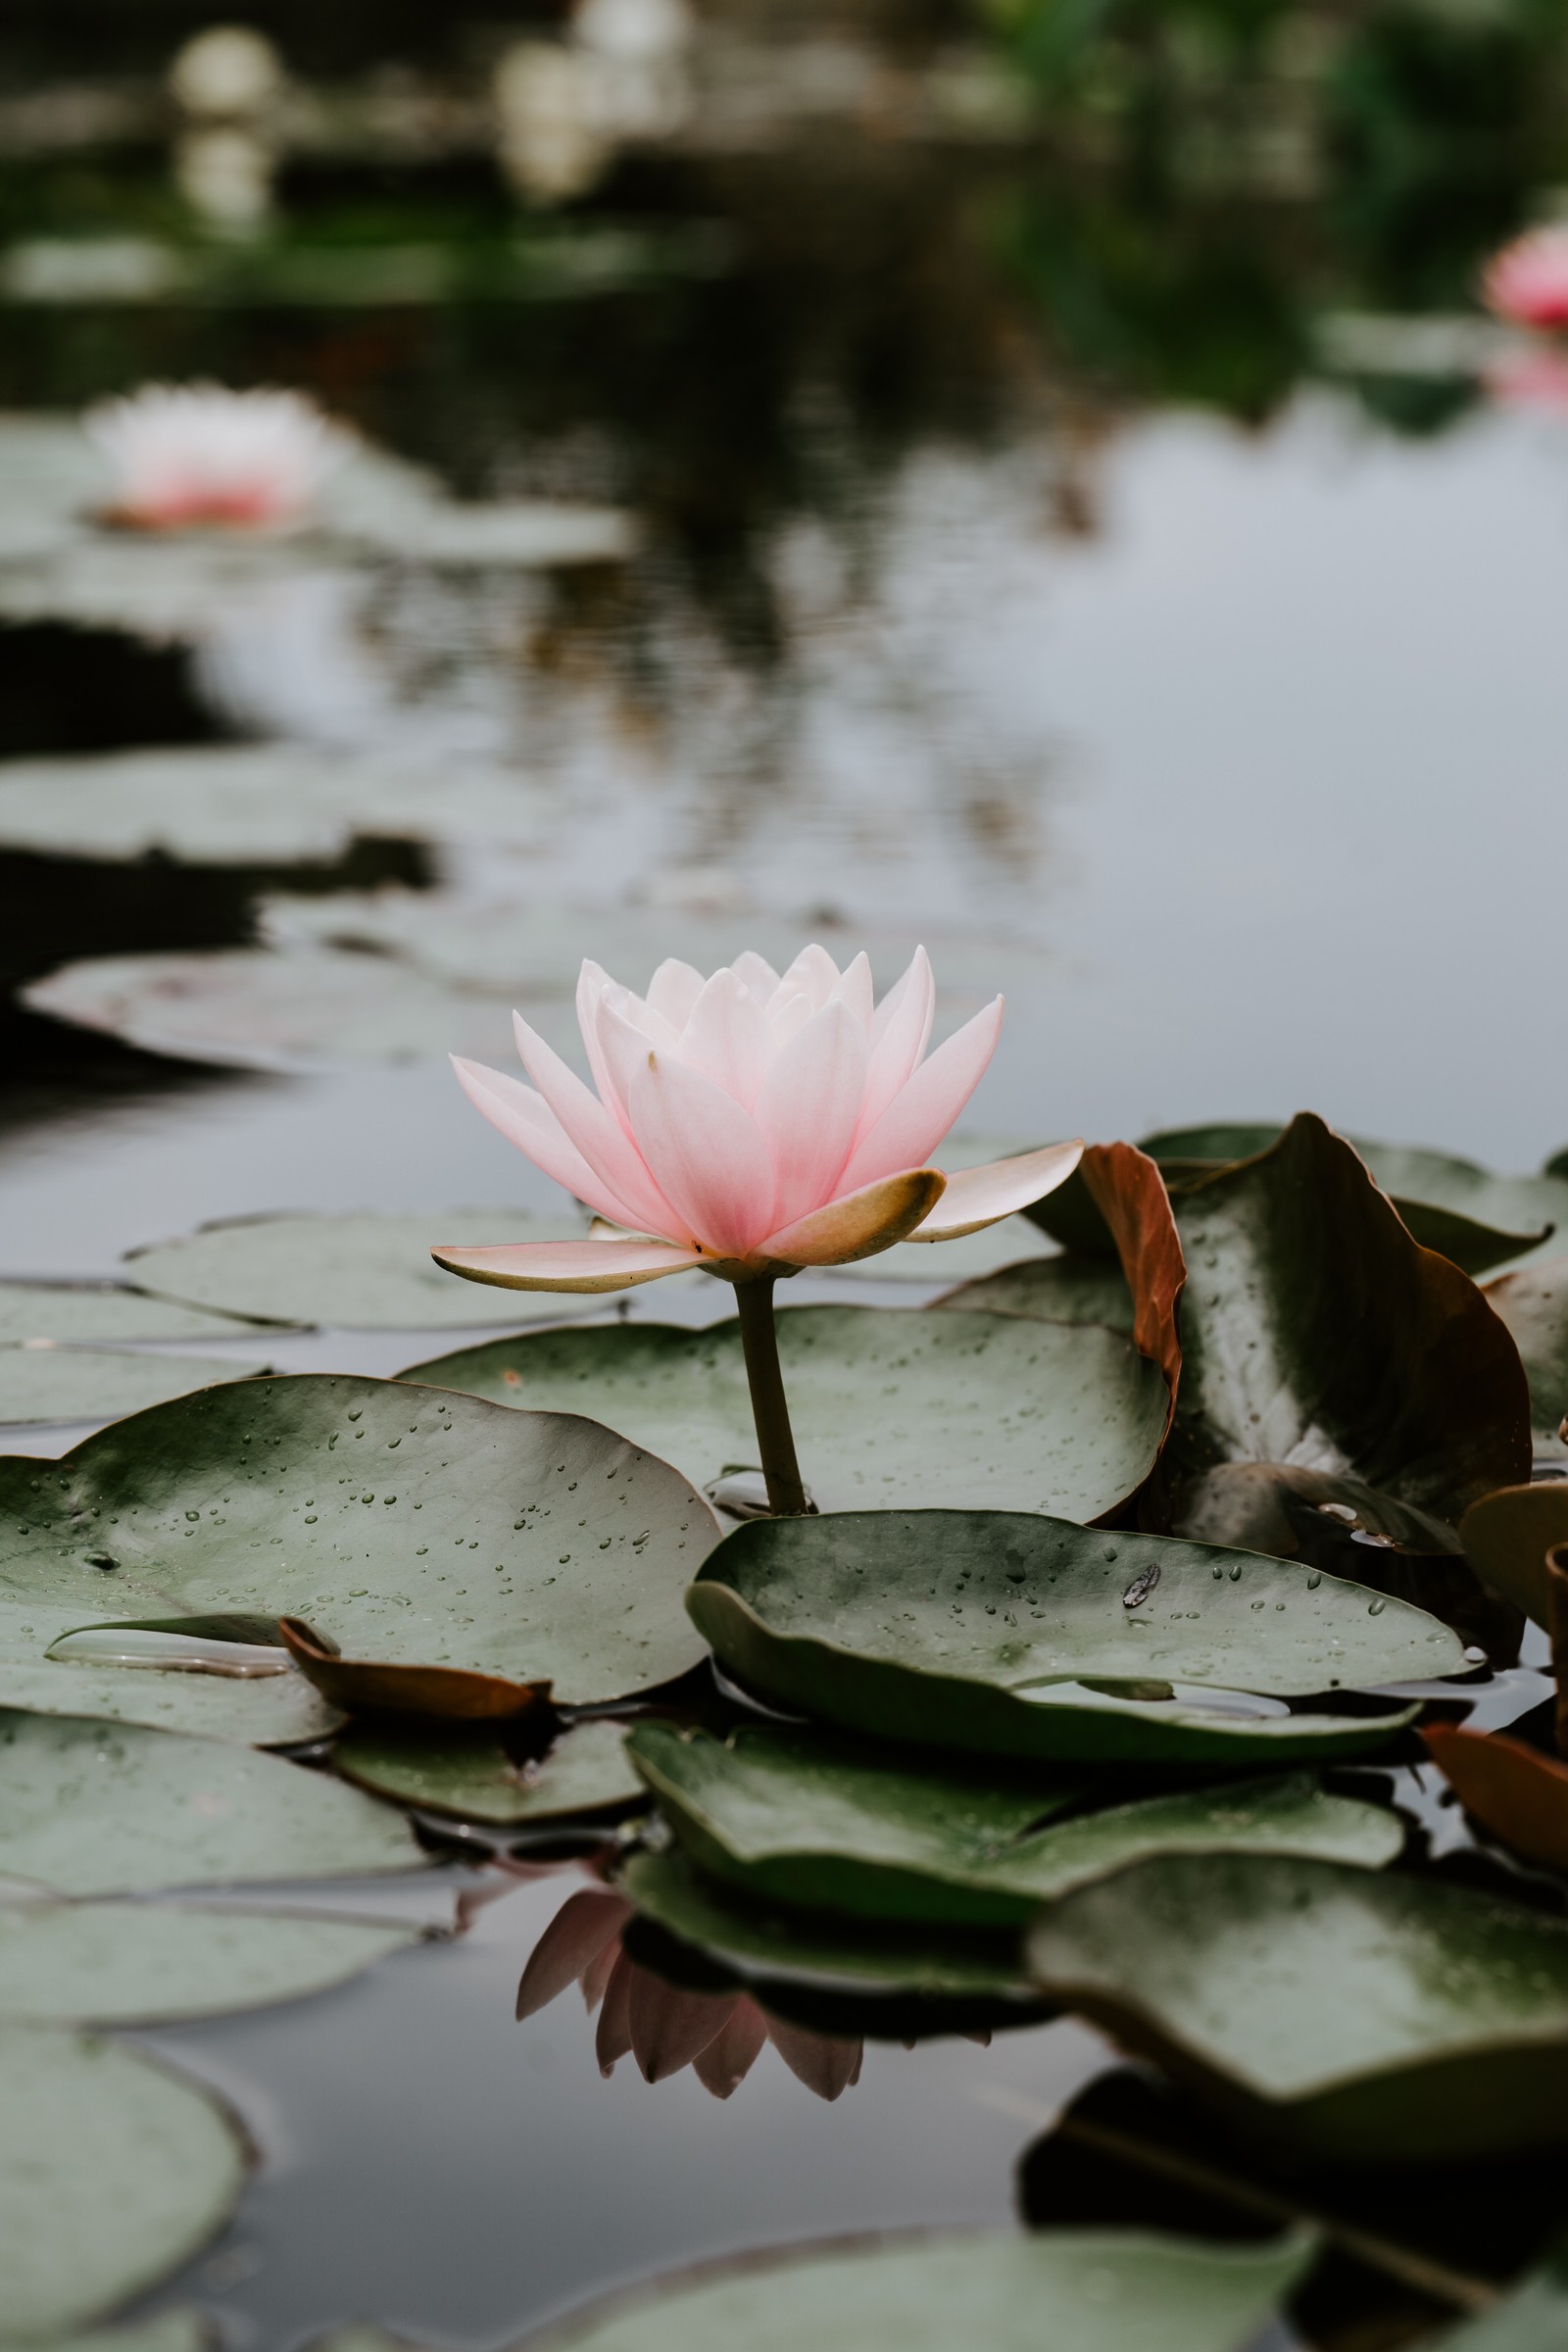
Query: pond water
[[1016, 567]]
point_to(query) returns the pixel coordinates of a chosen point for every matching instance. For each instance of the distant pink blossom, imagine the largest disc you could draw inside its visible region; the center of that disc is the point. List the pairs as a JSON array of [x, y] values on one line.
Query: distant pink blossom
[[187, 455], [1526, 282], [719, 2036], [750, 1124], [1535, 379]]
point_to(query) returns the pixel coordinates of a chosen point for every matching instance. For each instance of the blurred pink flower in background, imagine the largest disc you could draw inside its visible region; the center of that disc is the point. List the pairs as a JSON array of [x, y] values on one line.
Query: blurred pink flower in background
[[719, 2036], [751, 1124], [184, 456], [1533, 378], [1526, 282]]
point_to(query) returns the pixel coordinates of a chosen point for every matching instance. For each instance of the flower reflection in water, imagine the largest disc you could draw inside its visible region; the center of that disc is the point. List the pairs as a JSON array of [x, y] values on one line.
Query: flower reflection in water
[[664, 2029], [1526, 282]]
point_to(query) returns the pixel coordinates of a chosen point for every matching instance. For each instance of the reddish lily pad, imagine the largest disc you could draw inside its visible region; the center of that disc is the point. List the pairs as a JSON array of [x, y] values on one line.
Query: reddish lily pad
[[1511, 1789]]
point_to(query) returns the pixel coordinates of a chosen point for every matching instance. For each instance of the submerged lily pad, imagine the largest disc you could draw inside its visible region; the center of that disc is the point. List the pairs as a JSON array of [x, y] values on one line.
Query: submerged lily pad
[[1534, 1304], [100, 1384], [1031, 1636], [87, 1315], [94, 1808], [472, 1776], [1087, 2290], [769, 1943], [410, 1527], [148, 1963], [890, 1405], [112, 2172], [366, 1272], [1370, 2016], [793, 1818]]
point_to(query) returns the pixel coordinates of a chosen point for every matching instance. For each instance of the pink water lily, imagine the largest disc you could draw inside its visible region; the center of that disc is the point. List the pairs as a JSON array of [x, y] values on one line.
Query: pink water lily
[[1526, 282], [750, 1124], [199, 456]]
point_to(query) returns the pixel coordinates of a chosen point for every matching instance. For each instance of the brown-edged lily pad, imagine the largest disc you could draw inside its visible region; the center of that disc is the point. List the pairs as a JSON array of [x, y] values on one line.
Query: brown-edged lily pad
[[361, 1685]]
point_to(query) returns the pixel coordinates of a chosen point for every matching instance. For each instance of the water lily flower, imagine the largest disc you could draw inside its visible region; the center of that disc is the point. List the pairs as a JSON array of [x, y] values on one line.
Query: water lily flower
[[1526, 282], [719, 2036], [750, 1124], [186, 456]]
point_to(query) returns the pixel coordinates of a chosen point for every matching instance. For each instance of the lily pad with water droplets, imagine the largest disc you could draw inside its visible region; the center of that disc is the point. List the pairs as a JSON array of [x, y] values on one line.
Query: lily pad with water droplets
[[97, 1808], [473, 1777], [1370, 2016], [1076, 2290], [272, 1712], [47, 1384], [138, 1963], [1023, 1636], [364, 1272], [890, 1405], [406, 1525], [796, 1818], [113, 2171]]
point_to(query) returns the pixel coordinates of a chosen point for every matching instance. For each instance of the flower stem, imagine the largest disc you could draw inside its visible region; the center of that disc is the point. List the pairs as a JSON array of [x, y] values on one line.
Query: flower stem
[[786, 1496]]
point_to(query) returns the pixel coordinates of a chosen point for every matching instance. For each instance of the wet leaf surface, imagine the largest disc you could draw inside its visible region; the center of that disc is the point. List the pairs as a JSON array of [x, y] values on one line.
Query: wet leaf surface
[[1090, 2291], [272, 1713], [93, 1808], [409, 1527], [366, 1272], [1317, 1334], [98, 1384], [1031, 1636], [127, 1963], [1366, 2014], [768, 1943], [474, 1777], [1534, 1304], [113, 2171], [889, 1406], [796, 1818]]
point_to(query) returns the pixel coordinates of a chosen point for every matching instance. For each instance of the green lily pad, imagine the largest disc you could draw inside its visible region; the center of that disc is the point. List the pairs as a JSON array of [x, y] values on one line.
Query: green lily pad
[[1372, 2017], [1069, 1287], [168, 2332], [88, 1314], [890, 1405], [1316, 1335], [112, 2172], [100, 1384], [1533, 2319], [793, 1818], [1449, 1204], [149, 1963], [410, 1528], [273, 1711], [1082, 2290], [94, 1808], [1534, 1304], [363, 1273], [1023, 1636], [768, 1943], [472, 1776]]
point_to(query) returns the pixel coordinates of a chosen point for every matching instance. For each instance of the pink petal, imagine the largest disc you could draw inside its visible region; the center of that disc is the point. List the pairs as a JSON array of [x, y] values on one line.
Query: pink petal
[[808, 1107], [901, 1031], [977, 1197], [526, 1120], [705, 1154], [812, 974], [823, 2065], [859, 1224], [920, 1114], [855, 991], [755, 973], [727, 2060], [595, 1132], [597, 1974], [670, 2025], [582, 1929], [613, 2038], [673, 990], [567, 1265], [726, 1038], [592, 983]]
